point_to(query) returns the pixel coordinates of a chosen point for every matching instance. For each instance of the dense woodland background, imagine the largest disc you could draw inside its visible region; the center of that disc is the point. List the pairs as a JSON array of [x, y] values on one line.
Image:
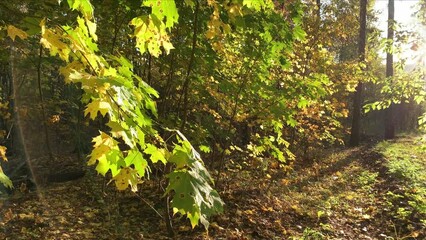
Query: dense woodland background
[[256, 119]]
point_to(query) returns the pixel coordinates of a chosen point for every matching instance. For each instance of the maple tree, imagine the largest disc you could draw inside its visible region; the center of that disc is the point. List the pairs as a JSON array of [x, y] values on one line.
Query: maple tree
[[113, 91]]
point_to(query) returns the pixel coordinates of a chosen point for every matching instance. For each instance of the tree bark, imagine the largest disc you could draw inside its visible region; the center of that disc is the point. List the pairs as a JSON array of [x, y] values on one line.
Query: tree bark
[[389, 114], [43, 110], [356, 117]]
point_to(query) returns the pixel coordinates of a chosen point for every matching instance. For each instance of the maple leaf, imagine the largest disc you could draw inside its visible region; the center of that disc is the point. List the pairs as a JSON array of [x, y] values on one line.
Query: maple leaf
[[257, 5], [167, 46], [98, 153], [91, 26], [193, 194], [14, 32], [52, 41], [126, 177], [96, 106], [156, 153], [140, 164], [117, 128], [164, 9], [182, 155], [84, 6], [107, 154], [102, 167], [70, 69]]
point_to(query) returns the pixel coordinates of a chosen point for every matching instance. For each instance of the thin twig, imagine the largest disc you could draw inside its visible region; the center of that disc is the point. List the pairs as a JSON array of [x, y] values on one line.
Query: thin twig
[[149, 205]]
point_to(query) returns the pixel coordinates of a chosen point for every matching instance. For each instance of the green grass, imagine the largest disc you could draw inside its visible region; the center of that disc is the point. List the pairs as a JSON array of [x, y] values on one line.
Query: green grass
[[406, 162], [383, 187], [405, 159]]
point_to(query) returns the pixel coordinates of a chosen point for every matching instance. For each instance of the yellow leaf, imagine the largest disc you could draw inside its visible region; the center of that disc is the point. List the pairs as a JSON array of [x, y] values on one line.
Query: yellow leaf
[[349, 197], [53, 42], [14, 32], [249, 212], [97, 106], [92, 29], [126, 177], [285, 182], [69, 71], [107, 72], [79, 76], [104, 139], [29, 216], [3, 153], [167, 46], [210, 34], [98, 153], [103, 144]]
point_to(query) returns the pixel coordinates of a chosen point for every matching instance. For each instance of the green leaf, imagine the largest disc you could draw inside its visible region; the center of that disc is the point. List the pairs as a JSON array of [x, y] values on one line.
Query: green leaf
[[190, 181], [140, 164], [190, 3], [84, 6], [115, 161], [181, 155], [193, 196], [156, 153], [5, 179], [303, 102], [291, 122], [164, 9], [107, 154], [32, 24], [258, 4], [419, 99], [298, 32], [103, 166], [204, 148]]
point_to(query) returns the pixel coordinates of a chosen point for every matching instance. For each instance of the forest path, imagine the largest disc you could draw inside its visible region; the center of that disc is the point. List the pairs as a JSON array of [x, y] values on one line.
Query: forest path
[[351, 193]]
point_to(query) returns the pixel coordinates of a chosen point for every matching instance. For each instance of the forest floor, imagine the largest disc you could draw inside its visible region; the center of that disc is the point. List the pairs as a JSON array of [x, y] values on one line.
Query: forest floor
[[375, 191]]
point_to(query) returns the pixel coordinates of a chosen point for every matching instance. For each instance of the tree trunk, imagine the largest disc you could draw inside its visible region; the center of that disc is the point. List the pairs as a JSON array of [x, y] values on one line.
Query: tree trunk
[[185, 87], [356, 118], [43, 110], [318, 2], [389, 114]]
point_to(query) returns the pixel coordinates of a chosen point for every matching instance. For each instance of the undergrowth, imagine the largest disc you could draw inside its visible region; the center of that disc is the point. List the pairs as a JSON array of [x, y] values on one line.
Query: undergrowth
[[371, 191], [406, 163]]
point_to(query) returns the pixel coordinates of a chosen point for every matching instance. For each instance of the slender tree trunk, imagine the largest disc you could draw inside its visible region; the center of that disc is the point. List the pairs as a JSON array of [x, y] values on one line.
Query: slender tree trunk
[[185, 87], [18, 143], [149, 77], [389, 114], [43, 110], [356, 118], [318, 2], [168, 214]]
